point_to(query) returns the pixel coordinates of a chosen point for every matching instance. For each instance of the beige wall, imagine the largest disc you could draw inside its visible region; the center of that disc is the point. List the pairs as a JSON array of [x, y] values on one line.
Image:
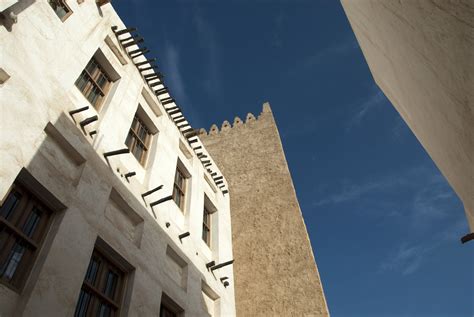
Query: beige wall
[[275, 271], [43, 57], [421, 54]]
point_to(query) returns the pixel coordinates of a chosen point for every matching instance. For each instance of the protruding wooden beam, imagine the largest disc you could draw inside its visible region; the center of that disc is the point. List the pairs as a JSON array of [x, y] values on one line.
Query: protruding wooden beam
[[157, 83], [151, 191], [139, 51], [162, 200], [225, 191], [218, 178], [150, 76], [218, 266], [87, 121], [180, 120], [167, 102], [184, 235], [131, 37], [139, 54], [197, 147], [210, 264], [147, 68], [467, 237], [159, 74], [177, 117], [127, 30], [174, 112], [164, 89], [184, 125], [172, 108], [191, 134], [117, 152], [129, 174], [161, 92], [73, 112], [148, 61], [135, 41]]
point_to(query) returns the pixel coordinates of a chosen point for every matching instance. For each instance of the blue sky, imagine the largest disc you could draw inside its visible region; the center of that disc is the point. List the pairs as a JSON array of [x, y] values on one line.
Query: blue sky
[[383, 222]]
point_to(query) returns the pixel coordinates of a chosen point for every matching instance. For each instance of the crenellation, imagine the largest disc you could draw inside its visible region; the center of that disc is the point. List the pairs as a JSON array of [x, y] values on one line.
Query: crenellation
[[226, 126], [202, 131], [237, 122], [250, 117], [214, 130]]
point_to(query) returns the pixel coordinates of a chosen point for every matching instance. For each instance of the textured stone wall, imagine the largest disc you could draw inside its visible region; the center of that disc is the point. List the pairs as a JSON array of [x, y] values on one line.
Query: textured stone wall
[[275, 271], [421, 54]]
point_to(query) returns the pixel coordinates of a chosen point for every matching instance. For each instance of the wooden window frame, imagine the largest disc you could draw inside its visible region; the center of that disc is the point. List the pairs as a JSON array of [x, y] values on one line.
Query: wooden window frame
[[27, 205], [134, 137], [97, 297], [65, 5], [180, 190], [207, 225], [91, 83]]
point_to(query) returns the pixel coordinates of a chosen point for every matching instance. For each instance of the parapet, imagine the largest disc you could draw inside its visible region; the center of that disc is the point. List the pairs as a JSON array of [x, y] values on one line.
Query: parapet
[[249, 119]]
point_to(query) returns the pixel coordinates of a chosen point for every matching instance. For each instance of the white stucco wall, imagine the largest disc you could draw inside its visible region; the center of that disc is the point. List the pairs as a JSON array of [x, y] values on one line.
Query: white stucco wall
[[421, 55], [43, 57]]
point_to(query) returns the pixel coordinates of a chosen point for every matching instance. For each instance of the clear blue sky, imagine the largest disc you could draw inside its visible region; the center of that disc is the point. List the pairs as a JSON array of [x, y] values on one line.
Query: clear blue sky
[[383, 222]]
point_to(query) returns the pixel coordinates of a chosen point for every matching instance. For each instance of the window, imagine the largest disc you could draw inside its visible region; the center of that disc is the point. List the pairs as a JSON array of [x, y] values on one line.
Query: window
[[61, 8], [101, 292], [94, 83], [169, 308], [179, 188], [24, 221], [206, 226], [138, 139], [166, 311]]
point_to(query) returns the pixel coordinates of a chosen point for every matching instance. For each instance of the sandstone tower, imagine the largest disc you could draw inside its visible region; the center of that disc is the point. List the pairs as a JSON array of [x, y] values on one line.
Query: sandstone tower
[[275, 271]]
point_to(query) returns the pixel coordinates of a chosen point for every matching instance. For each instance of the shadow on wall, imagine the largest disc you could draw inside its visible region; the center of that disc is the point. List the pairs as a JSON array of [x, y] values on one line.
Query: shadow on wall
[[75, 183], [9, 16]]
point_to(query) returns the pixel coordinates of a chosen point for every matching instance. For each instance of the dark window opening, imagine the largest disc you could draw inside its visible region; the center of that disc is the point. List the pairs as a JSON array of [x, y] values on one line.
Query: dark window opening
[[24, 222], [61, 8], [179, 188], [94, 83], [139, 139], [101, 292]]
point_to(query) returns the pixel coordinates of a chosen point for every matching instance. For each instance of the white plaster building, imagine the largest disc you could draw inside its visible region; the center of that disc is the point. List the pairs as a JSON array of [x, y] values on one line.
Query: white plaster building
[[421, 54], [86, 228]]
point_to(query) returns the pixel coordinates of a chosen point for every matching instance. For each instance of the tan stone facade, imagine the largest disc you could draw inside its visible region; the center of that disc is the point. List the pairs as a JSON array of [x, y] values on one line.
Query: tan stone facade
[[275, 271], [421, 54]]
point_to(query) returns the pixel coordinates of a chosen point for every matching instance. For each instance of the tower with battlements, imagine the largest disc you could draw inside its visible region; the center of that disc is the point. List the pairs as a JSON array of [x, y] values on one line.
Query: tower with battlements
[[275, 270]]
